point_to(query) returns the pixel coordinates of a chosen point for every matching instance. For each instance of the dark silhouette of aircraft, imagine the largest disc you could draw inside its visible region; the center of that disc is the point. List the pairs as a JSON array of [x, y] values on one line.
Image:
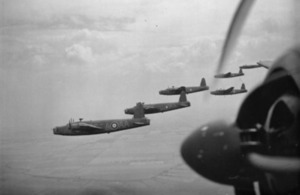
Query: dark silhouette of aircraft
[[104, 126], [264, 64], [230, 74], [177, 90], [262, 145], [163, 107], [229, 91]]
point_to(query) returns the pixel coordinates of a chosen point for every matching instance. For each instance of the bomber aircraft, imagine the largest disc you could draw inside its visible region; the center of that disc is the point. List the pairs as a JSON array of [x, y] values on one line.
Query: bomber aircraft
[[163, 107], [259, 151], [264, 64], [104, 126], [229, 91], [177, 90], [230, 74]]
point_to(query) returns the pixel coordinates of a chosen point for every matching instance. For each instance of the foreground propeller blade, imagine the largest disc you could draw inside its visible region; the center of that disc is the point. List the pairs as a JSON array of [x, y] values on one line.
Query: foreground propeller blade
[[296, 5], [275, 164], [234, 31]]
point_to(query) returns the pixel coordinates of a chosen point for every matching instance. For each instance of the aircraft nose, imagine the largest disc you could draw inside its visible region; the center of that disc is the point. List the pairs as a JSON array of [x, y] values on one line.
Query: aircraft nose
[[55, 130], [129, 111]]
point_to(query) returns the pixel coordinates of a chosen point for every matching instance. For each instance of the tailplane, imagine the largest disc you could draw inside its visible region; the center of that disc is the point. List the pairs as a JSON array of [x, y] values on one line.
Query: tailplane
[[139, 111], [182, 97], [243, 86], [203, 83]]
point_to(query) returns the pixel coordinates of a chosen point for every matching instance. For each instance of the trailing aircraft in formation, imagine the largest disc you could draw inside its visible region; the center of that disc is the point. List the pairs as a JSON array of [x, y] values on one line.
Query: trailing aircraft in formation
[[177, 90], [264, 64], [229, 91], [230, 74], [104, 126], [163, 107]]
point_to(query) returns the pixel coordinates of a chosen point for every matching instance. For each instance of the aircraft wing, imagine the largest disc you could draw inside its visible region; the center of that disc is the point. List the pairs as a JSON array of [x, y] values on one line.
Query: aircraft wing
[[139, 123], [229, 90], [227, 74], [265, 64]]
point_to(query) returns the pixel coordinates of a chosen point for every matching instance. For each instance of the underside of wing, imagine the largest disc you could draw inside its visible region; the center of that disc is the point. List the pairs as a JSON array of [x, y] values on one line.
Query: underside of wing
[[140, 123]]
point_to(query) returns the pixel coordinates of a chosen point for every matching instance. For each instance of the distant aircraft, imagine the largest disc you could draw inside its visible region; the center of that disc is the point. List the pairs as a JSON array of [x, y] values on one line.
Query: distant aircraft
[[230, 75], [104, 126], [264, 64], [177, 90], [229, 91], [163, 107]]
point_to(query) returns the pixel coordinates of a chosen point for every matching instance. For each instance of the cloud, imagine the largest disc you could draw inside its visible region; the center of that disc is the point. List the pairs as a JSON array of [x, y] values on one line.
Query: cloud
[[79, 53], [64, 15], [82, 21], [271, 26], [195, 56]]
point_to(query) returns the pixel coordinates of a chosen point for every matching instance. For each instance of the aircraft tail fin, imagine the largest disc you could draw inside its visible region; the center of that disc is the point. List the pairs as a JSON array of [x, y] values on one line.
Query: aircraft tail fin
[[182, 97], [241, 71], [139, 111], [243, 86], [203, 83]]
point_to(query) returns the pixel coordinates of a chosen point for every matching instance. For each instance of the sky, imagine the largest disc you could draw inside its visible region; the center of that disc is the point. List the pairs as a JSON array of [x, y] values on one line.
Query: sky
[[92, 59]]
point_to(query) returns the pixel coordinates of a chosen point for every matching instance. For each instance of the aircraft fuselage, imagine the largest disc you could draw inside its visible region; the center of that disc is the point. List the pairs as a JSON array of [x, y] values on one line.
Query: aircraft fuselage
[[100, 126], [161, 107], [233, 92], [229, 75], [177, 91]]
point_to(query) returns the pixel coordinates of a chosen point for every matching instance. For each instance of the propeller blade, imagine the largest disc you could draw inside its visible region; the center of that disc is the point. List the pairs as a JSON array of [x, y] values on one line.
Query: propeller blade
[[275, 164], [232, 35], [296, 5], [234, 31]]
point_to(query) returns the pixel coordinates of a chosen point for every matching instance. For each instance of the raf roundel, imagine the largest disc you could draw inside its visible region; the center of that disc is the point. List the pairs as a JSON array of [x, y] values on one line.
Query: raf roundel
[[114, 125]]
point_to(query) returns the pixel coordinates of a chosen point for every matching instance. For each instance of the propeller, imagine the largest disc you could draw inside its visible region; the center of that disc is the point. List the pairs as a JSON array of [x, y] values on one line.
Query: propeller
[[232, 35], [213, 151], [234, 31], [227, 154], [280, 128], [275, 164], [215, 146]]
